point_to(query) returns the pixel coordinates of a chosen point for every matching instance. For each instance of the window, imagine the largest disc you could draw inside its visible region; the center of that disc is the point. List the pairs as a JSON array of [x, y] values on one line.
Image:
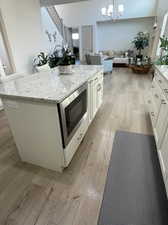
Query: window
[[75, 36]]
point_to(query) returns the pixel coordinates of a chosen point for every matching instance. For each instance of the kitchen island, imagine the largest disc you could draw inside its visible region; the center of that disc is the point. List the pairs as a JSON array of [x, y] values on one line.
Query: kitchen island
[[49, 113]]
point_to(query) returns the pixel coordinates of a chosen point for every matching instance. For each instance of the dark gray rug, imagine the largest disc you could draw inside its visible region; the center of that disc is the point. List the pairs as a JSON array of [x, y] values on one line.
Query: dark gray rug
[[134, 192]]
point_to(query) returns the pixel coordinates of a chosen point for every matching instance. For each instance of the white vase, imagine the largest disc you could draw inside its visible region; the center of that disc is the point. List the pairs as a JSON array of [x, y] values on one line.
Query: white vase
[[43, 68], [65, 69]]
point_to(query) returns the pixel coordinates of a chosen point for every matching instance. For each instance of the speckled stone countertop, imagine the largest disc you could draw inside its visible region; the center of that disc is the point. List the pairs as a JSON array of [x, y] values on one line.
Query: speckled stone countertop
[[163, 70], [47, 86]]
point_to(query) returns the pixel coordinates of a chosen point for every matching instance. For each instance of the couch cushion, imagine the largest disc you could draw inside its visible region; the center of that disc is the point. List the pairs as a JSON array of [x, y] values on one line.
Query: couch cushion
[[110, 53]]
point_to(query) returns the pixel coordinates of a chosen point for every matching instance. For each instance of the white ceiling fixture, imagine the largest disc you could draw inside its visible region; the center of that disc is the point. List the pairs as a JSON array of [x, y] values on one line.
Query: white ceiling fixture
[[113, 10], [58, 2]]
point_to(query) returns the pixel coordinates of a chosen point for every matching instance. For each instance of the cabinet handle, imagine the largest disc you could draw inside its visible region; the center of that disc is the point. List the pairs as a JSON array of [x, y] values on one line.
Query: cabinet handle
[[160, 81], [80, 136], [166, 91], [156, 96], [152, 113], [163, 102], [99, 87], [96, 79]]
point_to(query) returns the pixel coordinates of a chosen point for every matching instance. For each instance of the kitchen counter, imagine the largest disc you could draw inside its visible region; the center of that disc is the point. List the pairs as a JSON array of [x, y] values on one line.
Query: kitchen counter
[[163, 69], [48, 86]]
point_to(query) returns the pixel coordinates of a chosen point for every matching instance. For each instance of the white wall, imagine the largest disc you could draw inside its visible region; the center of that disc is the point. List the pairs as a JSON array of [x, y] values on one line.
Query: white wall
[[118, 35], [23, 25], [162, 8], [49, 26], [4, 56], [89, 12]]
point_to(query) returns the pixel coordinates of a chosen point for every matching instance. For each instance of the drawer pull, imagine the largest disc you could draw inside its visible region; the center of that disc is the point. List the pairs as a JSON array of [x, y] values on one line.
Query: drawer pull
[[166, 91], [160, 81], [156, 96], [152, 113], [99, 87], [80, 136], [163, 102]]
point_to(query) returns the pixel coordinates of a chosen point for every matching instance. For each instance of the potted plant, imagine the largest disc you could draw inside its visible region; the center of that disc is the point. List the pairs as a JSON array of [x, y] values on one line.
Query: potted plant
[[64, 62], [53, 59], [141, 41], [54, 56], [41, 62], [163, 59], [62, 58]]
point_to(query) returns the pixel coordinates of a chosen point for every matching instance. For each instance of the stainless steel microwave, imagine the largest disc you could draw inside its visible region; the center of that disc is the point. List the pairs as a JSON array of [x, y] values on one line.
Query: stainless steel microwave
[[72, 112]]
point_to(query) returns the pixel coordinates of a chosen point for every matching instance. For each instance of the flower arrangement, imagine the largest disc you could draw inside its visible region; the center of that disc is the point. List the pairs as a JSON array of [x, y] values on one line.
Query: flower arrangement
[[65, 57], [61, 56]]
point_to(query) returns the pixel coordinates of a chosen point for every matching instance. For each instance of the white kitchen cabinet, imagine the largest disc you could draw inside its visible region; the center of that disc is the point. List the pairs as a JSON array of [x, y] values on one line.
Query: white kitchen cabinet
[[99, 92], [95, 92], [158, 111], [162, 122], [156, 100], [164, 156]]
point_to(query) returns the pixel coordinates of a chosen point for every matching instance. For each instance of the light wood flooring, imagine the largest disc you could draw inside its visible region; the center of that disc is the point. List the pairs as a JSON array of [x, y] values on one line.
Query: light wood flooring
[[30, 195]]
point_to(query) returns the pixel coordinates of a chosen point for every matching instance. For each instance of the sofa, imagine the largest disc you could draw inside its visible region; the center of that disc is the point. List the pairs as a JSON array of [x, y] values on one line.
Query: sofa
[[99, 59], [120, 58]]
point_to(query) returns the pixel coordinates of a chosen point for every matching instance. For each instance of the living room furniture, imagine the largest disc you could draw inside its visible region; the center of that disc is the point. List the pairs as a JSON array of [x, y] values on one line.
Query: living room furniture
[[143, 69], [97, 59], [120, 58], [121, 61]]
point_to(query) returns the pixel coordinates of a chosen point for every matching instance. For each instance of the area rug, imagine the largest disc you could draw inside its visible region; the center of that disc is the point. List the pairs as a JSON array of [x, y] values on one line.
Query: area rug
[[134, 193]]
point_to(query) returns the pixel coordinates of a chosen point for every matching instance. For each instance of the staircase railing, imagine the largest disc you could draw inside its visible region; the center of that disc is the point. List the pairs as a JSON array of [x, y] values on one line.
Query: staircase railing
[[56, 19]]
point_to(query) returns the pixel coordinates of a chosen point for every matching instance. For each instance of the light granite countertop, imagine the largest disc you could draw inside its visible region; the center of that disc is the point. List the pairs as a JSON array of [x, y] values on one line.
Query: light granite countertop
[[163, 69], [47, 86]]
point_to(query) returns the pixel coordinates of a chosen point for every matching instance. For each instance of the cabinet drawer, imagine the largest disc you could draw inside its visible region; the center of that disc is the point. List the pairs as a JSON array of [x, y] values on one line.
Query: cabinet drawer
[[162, 121], [162, 165], [166, 185], [72, 147], [164, 155], [156, 98], [151, 110], [162, 82]]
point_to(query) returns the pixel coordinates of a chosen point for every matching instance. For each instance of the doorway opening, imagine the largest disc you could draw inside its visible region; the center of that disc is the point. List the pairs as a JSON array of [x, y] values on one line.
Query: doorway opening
[[76, 43]]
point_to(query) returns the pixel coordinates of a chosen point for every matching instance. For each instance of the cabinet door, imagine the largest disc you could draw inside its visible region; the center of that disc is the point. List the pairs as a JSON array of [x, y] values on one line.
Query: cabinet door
[[166, 184], [156, 100], [162, 122], [99, 93], [95, 82], [164, 156], [90, 100]]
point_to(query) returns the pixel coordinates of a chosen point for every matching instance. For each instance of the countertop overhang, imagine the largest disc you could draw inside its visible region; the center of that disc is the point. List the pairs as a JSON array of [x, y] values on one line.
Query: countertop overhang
[[47, 86]]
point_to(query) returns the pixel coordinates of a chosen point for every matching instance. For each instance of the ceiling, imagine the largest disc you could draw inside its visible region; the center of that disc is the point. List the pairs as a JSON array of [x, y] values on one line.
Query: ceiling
[[58, 2]]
